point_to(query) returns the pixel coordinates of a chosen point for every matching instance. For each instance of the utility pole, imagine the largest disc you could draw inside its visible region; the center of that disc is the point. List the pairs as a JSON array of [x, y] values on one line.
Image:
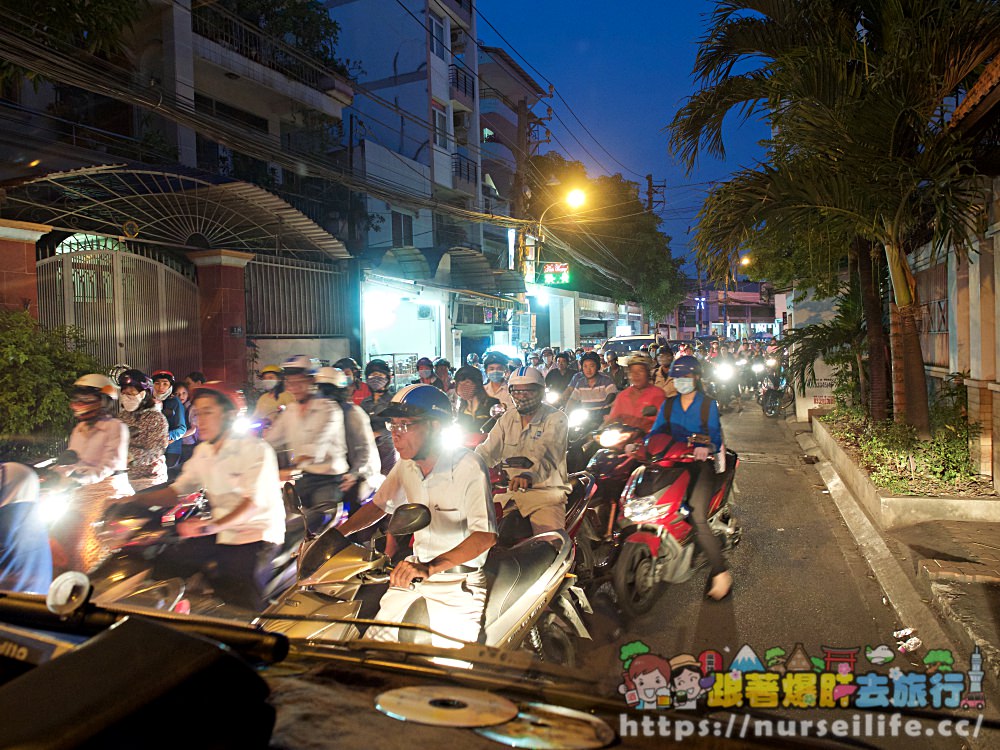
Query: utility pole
[[521, 157], [655, 194]]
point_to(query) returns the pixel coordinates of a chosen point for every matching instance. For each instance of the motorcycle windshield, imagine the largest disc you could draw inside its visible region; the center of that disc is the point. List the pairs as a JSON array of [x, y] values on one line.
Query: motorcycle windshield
[[324, 547], [656, 478]]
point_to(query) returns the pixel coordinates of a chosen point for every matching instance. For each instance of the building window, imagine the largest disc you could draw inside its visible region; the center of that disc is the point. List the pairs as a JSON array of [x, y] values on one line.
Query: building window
[[437, 37], [402, 230], [440, 127]]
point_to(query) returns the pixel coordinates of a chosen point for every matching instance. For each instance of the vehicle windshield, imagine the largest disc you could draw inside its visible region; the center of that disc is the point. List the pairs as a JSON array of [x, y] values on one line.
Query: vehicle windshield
[[622, 346]]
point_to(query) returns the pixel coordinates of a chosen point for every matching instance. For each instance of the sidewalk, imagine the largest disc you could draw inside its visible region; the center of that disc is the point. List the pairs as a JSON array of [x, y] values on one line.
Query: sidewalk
[[950, 569]]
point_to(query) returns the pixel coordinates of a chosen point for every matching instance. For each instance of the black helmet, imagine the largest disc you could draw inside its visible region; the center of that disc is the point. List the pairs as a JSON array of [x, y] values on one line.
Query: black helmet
[[495, 358], [442, 361], [347, 363], [377, 365], [137, 379], [591, 357]]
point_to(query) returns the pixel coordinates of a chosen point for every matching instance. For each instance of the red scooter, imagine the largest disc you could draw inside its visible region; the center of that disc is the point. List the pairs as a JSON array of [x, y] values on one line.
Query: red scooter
[[659, 540]]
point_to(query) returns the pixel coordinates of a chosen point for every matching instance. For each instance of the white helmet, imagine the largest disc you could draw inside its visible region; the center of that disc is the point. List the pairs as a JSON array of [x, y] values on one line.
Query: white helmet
[[97, 382], [526, 376], [333, 376], [300, 364]]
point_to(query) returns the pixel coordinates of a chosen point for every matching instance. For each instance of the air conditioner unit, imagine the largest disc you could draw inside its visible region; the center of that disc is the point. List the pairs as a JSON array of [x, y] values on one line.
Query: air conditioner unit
[[425, 312], [463, 120]]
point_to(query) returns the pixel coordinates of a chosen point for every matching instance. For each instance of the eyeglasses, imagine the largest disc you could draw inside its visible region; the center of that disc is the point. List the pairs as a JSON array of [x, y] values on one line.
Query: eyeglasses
[[401, 427]]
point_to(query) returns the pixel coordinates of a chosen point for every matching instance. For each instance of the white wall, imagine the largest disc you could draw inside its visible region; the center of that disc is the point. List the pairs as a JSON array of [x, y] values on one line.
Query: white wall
[[276, 351], [804, 310]]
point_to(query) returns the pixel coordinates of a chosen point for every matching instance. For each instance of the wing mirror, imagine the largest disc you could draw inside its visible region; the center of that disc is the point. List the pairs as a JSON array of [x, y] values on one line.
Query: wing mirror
[[649, 411], [409, 518]]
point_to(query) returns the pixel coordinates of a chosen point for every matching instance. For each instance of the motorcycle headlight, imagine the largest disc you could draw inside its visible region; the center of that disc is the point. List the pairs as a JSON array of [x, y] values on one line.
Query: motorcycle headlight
[[452, 437], [53, 505], [243, 425], [577, 417], [740, 362], [758, 368], [771, 362], [724, 372], [551, 397], [640, 509], [611, 438]]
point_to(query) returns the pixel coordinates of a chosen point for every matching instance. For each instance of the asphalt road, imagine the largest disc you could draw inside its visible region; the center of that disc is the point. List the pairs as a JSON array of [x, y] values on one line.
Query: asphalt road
[[799, 578]]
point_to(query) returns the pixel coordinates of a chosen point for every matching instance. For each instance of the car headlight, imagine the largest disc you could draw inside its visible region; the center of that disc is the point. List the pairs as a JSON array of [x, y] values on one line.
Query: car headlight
[[724, 372], [771, 362], [551, 397], [53, 505], [577, 417], [758, 368], [611, 438], [640, 509]]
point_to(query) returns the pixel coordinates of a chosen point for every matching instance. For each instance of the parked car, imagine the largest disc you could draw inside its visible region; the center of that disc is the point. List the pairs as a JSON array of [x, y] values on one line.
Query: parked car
[[624, 345]]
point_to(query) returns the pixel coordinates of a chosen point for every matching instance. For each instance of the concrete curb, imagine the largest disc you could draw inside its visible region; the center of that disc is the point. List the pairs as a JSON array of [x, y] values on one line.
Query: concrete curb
[[944, 594], [896, 512]]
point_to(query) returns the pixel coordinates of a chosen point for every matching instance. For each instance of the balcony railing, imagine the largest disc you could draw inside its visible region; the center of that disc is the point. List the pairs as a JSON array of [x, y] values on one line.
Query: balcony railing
[[462, 84], [464, 169], [462, 7], [231, 32]]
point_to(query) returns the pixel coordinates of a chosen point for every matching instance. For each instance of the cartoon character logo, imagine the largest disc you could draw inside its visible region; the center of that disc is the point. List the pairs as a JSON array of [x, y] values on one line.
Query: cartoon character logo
[[688, 682], [881, 654], [645, 679]]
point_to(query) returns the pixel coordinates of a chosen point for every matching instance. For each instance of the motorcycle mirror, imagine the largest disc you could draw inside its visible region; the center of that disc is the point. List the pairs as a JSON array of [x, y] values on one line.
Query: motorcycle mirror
[[67, 458], [518, 462], [497, 410], [68, 593], [610, 399], [649, 411], [409, 518]]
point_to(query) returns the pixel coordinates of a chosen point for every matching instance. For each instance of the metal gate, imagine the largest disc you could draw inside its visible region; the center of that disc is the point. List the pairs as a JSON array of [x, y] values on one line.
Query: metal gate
[[132, 309]]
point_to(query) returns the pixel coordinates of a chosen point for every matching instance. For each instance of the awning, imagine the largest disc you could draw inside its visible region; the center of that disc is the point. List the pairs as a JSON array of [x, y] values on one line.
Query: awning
[[187, 211], [509, 282], [465, 268], [405, 262], [467, 296]]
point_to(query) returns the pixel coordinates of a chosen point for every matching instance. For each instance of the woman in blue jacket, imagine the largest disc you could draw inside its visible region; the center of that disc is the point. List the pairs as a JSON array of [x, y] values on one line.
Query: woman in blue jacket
[[689, 413], [25, 556]]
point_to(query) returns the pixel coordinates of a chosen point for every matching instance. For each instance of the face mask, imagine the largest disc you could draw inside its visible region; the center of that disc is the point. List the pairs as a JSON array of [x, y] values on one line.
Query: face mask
[[684, 385], [377, 382], [165, 395], [528, 403], [466, 390], [131, 403], [495, 376], [267, 385], [425, 374]]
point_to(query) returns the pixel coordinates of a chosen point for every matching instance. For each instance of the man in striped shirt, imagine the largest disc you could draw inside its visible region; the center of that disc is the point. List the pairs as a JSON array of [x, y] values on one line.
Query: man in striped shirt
[[590, 388]]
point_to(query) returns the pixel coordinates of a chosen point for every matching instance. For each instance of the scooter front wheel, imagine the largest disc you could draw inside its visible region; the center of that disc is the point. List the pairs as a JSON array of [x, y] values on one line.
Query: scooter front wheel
[[771, 404], [634, 580]]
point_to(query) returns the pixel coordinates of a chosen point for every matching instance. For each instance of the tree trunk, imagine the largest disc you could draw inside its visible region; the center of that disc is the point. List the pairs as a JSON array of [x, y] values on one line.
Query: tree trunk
[[896, 352], [913, 376], [871, 300]]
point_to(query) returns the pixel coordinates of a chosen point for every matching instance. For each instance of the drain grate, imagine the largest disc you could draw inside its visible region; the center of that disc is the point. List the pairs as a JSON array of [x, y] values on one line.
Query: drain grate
[[770, 458]]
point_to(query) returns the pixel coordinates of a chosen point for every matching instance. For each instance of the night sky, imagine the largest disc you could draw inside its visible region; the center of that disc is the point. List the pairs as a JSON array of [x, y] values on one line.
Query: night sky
[[624, 68]]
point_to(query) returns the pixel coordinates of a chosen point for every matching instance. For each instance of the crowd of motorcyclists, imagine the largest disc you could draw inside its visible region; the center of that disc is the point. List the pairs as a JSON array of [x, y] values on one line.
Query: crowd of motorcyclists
[[346, 436]]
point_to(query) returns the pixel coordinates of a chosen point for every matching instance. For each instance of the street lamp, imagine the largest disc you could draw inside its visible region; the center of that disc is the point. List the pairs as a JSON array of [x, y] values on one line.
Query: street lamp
[[574, 199]]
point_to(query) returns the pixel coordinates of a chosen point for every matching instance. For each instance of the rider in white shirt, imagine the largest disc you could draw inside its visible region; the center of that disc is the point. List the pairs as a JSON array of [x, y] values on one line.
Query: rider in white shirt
[[496, 364]]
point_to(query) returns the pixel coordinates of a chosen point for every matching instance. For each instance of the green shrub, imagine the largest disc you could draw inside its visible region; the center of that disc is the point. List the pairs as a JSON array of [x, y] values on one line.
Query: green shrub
[[37, 371], [897, 461]]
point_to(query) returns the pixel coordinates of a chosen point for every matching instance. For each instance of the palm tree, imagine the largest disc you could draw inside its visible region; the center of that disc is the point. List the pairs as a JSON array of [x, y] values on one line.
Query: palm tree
[[860, 134]]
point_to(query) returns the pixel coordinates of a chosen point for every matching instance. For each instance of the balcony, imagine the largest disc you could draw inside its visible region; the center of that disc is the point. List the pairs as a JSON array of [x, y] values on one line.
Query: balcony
[[463, 87], [225, 44], [465, 172], [460, 10]]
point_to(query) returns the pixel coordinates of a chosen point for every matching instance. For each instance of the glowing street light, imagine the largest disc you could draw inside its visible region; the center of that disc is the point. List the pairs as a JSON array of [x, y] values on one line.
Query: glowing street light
[[576, 198], [745, 260]]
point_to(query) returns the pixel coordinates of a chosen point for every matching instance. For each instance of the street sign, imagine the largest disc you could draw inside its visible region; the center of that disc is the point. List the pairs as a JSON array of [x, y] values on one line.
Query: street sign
[[555, 273]]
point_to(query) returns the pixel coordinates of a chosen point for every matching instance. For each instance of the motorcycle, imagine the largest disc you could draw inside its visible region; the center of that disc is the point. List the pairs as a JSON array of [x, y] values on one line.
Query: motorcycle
[[583, 423], [723, 387], [531, 597], [137, 534], [775, 392], [658, 546]]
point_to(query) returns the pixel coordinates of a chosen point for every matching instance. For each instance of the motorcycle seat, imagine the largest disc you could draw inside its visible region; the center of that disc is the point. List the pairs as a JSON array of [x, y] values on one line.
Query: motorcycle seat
[[510, 573]]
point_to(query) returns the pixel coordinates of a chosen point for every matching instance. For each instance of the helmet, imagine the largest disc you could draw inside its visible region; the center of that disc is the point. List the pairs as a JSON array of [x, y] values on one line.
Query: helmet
[[495, 358], [469, 372], [96, 383], [426, 361], [333, 376], [441, 361], [420, 401], [591, 357], [641, 359], [135, 378], [300, 364], [472, 358], [685, 367], [164, 375], [377, 365], [347, 363], [547, 350], [270, 368], [232, 398], [526, 376]]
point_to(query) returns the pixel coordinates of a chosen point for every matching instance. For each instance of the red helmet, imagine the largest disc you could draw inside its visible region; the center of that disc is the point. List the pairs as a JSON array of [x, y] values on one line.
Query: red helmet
[[164, 375], [232, 396]]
